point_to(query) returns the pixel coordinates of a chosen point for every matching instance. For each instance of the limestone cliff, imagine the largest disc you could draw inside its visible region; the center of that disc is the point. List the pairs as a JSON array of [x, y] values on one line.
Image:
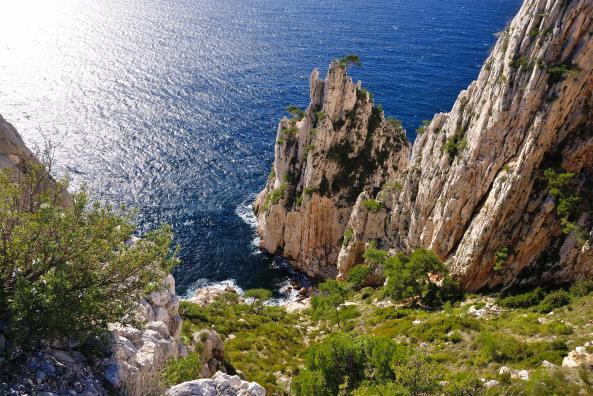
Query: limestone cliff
[[13, 152], [325, 157], [475, 189]]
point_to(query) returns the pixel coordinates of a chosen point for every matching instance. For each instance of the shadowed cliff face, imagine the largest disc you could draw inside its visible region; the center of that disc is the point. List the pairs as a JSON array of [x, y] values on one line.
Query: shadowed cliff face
[[13, 152], [474, 189], [324, 158], [475, 184]]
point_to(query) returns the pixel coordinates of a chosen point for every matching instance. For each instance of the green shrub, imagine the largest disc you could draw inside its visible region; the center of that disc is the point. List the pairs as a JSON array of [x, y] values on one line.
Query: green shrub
[[275, 196], [339, 358], [438, 327], [522, 61], [455, 337], [389, 388], [394, 122], [420, 375], [392, 186], [563, 189], [310, 383], [296, 112], [524, 300], [557, 327], [555, 299], [69, 270], [309, 148], [464, 384], [348, 60], [533, 33], [500, 259], [292, 131], [454, 145], [320, 116], [408, 277], [193, 312], [344, 361], [181, 369], [362, 94], [564, 70], [501, 348], [372, 205], [582, 288], [423, 125], [374, 256], [309, 190], [299, 200], [347, 237], [267, 340], [548, 382], [358, 274]]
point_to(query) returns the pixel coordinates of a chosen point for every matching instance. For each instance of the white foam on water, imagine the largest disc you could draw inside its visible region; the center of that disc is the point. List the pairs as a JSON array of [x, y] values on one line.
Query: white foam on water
[[204, 283], [245, 212], [289, 294]]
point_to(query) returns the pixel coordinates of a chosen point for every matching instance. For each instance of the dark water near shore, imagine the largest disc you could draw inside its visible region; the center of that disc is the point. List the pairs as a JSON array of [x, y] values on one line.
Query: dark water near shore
[[171, 106]]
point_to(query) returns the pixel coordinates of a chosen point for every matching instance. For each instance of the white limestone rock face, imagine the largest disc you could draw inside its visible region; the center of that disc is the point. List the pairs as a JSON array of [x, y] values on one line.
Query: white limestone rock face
[[341, 147], [220, 384], [580, 357], [521, 116], [140, 352], [212, 352]]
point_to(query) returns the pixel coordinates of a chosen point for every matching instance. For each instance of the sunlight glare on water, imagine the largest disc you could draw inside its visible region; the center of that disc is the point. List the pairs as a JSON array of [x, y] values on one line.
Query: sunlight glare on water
[[171, 106]]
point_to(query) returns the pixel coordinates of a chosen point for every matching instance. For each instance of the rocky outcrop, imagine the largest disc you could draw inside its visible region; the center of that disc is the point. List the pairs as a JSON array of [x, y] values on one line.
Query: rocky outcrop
[[50, 371], [141, 352], [582, 356], [14, 153], [475, 189], [475, 185], [219, 384], [211, 348], [136, 354], [324, 158]]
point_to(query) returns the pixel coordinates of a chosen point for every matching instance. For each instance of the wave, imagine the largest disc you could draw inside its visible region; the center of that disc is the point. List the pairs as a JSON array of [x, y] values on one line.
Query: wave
[[245, 212], [203, 283]]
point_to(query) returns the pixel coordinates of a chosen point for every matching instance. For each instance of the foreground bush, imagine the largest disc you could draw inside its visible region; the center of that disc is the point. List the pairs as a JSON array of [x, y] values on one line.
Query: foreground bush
[[345, 363], [67, 269]]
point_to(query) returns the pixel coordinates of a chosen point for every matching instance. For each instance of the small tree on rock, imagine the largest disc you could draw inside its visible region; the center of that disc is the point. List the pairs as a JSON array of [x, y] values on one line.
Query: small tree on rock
[[334, 294], [349, 60], [257, 296]]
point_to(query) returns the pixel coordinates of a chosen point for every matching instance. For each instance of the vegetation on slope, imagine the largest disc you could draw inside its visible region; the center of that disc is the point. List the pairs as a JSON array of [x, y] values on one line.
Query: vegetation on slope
[[67, 269], [407, 337]]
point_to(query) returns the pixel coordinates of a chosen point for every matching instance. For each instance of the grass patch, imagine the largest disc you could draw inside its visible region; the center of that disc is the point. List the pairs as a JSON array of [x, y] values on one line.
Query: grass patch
[[266, 341]]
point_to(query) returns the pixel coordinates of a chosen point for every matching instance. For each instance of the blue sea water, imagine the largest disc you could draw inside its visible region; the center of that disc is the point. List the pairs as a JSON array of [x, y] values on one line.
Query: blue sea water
[[171, 106]]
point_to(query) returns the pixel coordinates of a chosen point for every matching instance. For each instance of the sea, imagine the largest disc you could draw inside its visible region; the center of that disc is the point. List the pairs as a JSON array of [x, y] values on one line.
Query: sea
[[171, 106]]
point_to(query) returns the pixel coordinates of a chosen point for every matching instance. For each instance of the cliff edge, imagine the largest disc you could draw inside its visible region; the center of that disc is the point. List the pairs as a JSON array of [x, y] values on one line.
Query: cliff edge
[[499, 187], [326, 156]]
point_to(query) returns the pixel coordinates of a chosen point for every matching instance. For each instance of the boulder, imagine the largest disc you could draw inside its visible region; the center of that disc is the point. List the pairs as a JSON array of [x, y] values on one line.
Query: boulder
[[211, 346], [220, 384], [578, 358], [514, 374]]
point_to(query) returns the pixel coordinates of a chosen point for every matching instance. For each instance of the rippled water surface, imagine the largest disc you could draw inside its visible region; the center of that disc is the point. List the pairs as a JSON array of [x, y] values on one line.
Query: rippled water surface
[[171, 105]]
